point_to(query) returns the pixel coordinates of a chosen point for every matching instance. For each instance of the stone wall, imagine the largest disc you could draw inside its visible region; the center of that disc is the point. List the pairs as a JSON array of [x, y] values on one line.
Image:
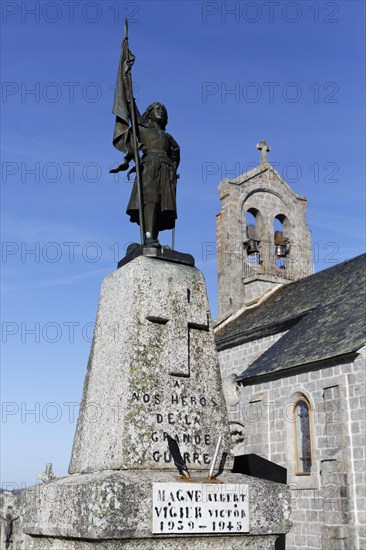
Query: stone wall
[[328, 506]]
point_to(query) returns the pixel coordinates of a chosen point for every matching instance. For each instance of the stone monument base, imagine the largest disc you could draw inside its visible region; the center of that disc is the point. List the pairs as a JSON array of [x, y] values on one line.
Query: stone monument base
[[153, 373], [161, 253], [206, 543], [112, 510]]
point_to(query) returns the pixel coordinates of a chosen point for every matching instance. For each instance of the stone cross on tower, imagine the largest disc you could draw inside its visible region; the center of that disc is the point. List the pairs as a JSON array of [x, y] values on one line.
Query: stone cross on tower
[[264, 149]]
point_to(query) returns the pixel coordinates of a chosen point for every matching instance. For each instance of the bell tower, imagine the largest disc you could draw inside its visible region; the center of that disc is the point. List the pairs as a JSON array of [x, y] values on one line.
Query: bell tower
[[263, 239]]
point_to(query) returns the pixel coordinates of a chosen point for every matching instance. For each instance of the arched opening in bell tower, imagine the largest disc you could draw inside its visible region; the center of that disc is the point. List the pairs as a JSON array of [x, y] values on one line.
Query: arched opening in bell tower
[[251, 236], [281, 241]]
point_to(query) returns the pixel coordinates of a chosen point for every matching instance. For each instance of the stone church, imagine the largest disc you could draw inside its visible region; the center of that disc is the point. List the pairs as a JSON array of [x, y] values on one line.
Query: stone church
[[291, 346]]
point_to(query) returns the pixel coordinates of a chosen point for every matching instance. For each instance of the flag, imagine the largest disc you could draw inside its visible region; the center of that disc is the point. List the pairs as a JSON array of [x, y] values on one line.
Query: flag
[[120, 106]]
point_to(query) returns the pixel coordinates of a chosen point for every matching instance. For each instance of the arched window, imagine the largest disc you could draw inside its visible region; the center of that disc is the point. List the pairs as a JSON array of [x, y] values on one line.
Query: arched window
[[281, 242], [303, 444], [251, 238]]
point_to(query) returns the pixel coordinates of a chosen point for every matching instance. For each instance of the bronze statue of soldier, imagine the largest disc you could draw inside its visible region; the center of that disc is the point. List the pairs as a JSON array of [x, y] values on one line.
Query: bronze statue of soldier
[[152, 203]]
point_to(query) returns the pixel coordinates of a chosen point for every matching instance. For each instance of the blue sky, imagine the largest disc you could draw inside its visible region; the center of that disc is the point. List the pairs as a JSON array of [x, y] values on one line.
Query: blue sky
[[230, 74]]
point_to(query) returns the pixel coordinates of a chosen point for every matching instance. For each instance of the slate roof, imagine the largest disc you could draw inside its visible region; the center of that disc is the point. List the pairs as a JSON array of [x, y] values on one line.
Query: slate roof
[[324, 315]]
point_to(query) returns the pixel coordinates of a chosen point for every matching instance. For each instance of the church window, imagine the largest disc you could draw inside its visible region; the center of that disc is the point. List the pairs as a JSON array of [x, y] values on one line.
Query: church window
[[303, 445]]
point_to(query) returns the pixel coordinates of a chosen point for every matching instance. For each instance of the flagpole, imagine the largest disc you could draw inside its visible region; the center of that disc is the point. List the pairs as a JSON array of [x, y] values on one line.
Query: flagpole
[[137, 159]]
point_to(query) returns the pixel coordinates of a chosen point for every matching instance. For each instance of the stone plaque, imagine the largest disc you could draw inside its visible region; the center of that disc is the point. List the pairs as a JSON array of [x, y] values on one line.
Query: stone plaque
[[200, 508]]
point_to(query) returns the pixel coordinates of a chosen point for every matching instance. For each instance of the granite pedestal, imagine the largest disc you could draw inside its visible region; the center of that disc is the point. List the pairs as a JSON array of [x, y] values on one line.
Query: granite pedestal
[[153, 371]]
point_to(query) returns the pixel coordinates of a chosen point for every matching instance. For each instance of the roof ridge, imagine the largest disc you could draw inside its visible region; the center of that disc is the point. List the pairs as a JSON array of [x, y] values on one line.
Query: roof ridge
[[336, 266]]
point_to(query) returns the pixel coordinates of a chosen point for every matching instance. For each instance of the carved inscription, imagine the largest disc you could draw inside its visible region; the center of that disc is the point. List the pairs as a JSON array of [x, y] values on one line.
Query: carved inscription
[[200, 508], [180, 416]]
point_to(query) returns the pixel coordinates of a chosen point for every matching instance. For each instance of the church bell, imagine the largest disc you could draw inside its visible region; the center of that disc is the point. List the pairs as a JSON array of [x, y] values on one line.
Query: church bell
[[280, 251], [252, 243], [280, 244], [252, 247]]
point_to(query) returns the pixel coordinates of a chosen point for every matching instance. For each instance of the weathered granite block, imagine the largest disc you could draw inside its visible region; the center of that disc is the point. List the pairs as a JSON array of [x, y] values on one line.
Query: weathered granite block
[[153, 370], [113, 506]]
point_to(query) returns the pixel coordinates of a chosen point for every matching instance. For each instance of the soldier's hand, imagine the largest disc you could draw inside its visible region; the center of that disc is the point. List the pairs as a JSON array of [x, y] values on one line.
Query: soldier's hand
[[127, 64], [121, 168], [131, 58]]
